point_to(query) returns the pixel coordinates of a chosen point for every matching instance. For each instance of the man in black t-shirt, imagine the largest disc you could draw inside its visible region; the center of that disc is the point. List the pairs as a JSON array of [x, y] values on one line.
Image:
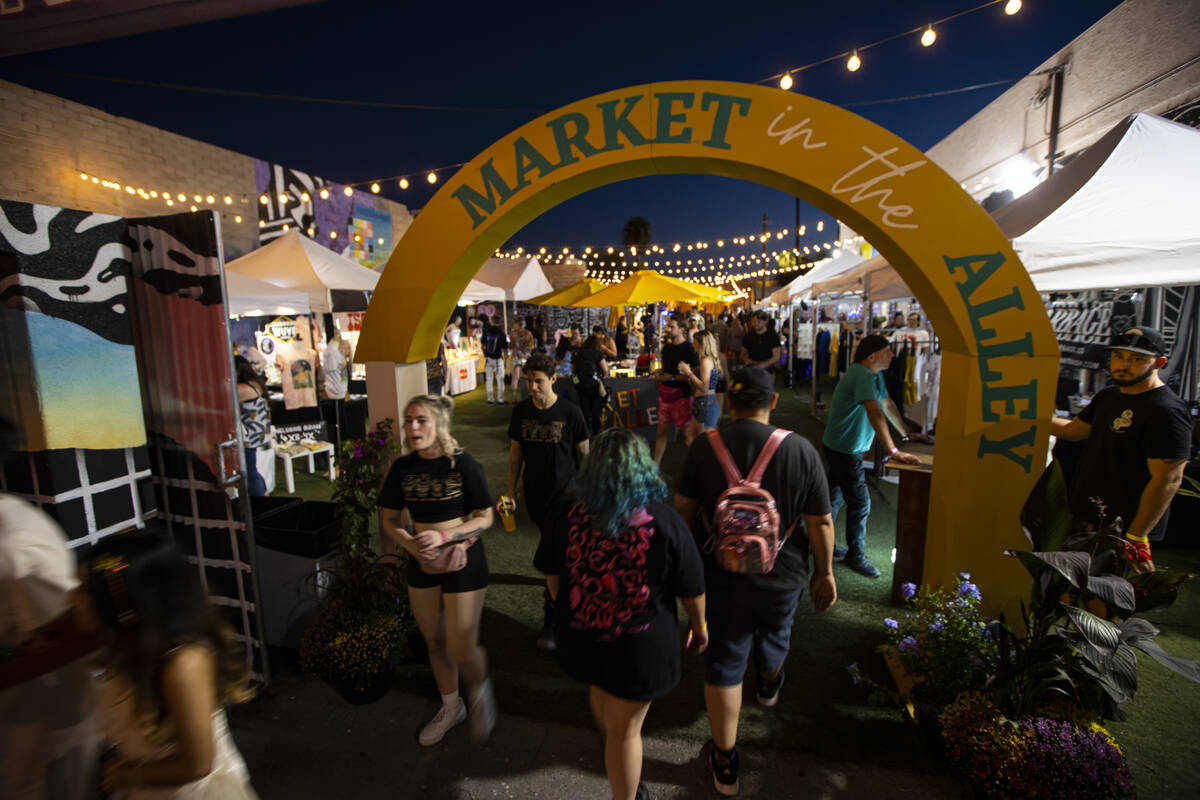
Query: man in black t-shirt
[[1139, 439], [755, 612], [674, 388], [760, 345], [547, 438], [495, 344]]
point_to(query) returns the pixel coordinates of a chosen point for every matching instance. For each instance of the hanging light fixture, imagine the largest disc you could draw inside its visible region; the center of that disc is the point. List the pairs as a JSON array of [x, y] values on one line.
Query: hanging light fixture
[[1012, 7], [854, 62], [431, 177], [404, 183], [928, 37], [785, 82]]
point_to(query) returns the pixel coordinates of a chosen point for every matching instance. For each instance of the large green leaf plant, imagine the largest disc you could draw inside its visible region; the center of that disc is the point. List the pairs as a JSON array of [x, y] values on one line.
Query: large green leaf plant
[[1080, 627]]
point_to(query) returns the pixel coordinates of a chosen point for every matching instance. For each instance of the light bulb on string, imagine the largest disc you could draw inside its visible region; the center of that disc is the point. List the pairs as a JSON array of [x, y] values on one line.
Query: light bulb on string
[[1012, 7], [404, 183], [304, 197], [785, 82], [854, 62], [928, 37], [374, 188], [228, 199], [324, 194], [348, 192], [431, 177], [262, 198]]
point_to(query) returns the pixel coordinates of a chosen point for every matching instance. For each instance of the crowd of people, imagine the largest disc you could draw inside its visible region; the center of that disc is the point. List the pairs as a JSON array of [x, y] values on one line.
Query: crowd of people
[[747, 532]]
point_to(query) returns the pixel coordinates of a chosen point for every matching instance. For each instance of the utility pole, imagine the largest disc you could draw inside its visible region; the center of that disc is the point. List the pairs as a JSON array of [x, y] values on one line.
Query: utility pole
[[763, 280]]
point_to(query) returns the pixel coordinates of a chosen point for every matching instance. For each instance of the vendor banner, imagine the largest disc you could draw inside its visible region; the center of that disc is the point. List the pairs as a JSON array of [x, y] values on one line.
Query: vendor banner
[[1085, 324], [632, 403]]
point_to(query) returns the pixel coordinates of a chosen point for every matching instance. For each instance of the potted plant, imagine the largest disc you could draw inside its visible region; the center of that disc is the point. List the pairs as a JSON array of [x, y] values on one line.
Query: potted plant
[[1019, 711], [361, 629]]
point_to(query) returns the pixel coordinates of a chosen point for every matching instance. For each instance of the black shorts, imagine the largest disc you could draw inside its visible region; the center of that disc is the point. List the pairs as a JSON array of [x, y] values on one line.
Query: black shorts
[[470, 578]]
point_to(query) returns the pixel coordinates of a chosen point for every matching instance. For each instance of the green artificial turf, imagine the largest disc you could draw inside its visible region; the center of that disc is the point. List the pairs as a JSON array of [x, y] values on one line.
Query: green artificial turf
[[820, 710]]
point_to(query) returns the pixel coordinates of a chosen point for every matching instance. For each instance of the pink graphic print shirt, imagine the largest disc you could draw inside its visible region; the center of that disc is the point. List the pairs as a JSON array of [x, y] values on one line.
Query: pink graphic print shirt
[[609, 594]]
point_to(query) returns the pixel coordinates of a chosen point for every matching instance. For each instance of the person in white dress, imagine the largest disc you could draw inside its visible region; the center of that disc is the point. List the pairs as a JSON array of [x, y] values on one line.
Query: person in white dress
[[171, 667]]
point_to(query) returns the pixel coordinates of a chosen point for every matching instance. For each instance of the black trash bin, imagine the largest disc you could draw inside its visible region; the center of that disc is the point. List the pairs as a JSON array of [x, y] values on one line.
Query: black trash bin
[[294, 543], [301, 528]]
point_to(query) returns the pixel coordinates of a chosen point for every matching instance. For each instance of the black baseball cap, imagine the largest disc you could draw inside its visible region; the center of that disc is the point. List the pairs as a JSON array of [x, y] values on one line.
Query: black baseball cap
[[752, 384], [869, 346], [1140, 340]]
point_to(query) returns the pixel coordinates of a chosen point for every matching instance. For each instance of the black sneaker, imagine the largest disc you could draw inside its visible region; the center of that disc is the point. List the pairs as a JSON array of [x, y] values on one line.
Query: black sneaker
[[863, 567], [768, 693], [839, 551], [642, 792], [725, 776]]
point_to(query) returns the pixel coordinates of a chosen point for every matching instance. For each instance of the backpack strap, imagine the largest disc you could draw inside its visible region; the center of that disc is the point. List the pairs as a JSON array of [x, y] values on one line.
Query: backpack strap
[[732, 476], [764, 457]]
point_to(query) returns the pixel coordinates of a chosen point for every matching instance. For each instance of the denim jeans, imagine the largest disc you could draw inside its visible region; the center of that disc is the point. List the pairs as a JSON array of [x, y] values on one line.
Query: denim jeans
[[744, 617], [848, 487], [256, 483], [493, 375]]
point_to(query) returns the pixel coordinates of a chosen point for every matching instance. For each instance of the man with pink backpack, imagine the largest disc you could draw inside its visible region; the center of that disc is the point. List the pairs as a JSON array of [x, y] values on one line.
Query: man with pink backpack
[[744, 491]]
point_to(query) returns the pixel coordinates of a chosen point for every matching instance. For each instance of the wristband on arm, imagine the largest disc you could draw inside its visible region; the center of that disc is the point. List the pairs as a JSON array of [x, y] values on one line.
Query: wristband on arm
[[1136, 548]]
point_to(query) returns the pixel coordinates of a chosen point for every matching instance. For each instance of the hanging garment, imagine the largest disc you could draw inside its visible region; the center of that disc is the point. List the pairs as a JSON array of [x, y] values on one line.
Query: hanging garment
[[931, 376], [834, 351], [298, 370], [910, 378], [823, 346]]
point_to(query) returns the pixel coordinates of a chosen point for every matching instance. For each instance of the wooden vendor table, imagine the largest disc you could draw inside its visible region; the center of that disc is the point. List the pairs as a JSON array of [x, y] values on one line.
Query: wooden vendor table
[[912, 518]]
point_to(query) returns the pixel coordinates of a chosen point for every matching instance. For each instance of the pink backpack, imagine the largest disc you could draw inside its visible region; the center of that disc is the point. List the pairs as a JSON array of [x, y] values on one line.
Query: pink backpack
[[745, 527]]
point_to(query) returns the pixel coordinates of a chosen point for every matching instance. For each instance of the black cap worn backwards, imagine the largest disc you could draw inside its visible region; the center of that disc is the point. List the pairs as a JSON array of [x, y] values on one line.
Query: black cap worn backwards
[[869, 346], [752, 383]]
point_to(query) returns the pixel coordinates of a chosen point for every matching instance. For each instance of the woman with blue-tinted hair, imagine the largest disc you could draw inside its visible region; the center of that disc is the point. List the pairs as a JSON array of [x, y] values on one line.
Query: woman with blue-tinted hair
[[615, 561]]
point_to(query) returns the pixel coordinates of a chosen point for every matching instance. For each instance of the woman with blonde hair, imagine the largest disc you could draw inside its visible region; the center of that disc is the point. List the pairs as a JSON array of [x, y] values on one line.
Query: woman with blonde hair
[[705, 409], [434, 504], [618, 557]]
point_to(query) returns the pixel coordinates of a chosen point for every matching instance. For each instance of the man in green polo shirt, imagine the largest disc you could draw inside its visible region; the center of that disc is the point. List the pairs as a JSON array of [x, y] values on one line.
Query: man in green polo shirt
[[859, 412]]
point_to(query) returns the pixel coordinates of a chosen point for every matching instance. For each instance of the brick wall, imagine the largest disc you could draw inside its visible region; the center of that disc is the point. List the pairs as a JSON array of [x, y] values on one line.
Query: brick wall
[[47, 142]]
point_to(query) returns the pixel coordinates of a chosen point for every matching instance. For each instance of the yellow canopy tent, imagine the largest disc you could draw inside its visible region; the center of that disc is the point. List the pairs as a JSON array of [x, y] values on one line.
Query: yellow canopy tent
[[568, 294], [647, 286]]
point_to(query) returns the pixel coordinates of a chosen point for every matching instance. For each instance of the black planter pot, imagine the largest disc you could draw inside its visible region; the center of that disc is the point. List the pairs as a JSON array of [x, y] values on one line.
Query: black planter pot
[[417, 650], [361, 696]]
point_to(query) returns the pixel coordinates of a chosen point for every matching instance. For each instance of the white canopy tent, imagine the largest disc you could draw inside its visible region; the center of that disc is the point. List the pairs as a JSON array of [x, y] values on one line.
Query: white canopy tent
[[248, 297], [824, 270], [298, 263], [507, 280], [1124, 213]]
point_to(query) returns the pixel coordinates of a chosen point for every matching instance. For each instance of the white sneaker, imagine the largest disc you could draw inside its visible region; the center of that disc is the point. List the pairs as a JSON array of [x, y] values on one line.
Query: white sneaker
[[445, 719], [483, 713]]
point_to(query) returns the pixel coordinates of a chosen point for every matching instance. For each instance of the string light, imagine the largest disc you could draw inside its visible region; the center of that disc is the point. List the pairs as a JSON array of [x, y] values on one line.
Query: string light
[[262, 198], [324, 194], [785, 82], [228, 199], [854, 62], [374, 188], [928, 37], [431, 177], [404, 183], [1012, 7], [348, 192]]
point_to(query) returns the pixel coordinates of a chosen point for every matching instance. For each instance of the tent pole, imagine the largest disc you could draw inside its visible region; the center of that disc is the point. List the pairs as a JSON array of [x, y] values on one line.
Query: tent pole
[[812, 401]]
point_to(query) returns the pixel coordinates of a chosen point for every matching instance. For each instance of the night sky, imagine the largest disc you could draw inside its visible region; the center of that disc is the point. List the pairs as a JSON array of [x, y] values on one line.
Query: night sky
[[533, 57]]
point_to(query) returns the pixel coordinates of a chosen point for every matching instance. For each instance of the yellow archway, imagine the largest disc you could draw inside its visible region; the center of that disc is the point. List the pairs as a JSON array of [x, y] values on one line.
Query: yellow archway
[[1000, 358]]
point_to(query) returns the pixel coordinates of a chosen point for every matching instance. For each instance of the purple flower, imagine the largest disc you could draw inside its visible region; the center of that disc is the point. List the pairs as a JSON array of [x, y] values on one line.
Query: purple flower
[[965, 576], [358, 451], [907, 590], [968, 590], [936, 626], [854, 676], [908, 646], [891, 623]]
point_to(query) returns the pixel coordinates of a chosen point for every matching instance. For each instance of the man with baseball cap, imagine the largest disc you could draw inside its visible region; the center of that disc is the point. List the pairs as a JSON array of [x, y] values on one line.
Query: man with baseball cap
[[1139, 438], [859, 413], [750, 612]]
